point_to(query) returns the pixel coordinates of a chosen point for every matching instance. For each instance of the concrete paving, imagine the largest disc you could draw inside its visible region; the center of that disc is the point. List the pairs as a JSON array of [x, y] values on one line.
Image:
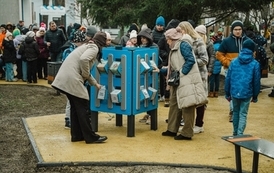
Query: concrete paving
[[51, 142]]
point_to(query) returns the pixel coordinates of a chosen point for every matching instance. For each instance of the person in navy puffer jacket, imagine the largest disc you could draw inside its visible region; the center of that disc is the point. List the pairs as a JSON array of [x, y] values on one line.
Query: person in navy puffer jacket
[[242, 85]]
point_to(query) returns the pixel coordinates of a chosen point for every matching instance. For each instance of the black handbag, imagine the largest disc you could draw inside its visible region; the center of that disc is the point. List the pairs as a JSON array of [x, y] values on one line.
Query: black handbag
[[174, 79]]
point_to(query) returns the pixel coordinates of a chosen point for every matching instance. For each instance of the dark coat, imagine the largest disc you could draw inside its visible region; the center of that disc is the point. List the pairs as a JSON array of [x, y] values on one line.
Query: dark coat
[[164, 51], [9, 52], [156, 35], [56, 38], [163, 46], [29, 49]]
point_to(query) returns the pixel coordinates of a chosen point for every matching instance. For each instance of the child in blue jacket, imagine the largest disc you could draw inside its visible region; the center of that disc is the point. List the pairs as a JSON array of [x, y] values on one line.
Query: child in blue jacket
[[242, 85]]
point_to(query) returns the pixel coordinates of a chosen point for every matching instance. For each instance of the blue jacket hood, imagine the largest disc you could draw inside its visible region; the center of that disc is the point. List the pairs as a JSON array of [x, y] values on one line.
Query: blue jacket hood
[[245, 56]]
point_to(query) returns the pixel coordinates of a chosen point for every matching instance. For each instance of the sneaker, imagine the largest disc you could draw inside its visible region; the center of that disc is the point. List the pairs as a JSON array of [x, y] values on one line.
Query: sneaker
[[162, 99], [166, 104], [198, 129], [148, 120], [180, 129], [144, 119], [182, 123], [14, 80], [67, 123]]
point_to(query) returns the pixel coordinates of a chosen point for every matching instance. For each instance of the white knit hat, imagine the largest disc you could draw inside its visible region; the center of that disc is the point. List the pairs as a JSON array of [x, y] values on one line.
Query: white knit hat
[[8, 34], [144, 26], [108, 36], [201, 29], [42, 29], [133, 34]]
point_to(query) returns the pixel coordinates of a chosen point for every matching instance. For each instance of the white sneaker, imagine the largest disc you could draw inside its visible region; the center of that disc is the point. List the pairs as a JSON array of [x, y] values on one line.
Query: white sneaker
[[162, 99], [148, 120], [198, 129], [180, 129], [182, 122]]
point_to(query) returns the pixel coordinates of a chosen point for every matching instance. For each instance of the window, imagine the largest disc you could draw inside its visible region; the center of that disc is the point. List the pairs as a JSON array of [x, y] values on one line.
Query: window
[[58, 2], [46, 2]]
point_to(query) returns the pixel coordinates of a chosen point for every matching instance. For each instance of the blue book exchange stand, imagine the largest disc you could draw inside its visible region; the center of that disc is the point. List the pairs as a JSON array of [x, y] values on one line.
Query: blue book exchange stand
[[130, 86]]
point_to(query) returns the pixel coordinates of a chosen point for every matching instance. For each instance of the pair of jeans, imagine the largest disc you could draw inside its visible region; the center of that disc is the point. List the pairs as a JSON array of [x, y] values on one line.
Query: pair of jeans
[[214, 82], [240, 110], [9, 72], [231, 102], [24, 70]]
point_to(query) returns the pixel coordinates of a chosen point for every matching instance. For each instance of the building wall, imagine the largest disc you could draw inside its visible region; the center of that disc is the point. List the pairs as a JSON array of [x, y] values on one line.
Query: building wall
[[9, 11], [69, 18], [29, 10]]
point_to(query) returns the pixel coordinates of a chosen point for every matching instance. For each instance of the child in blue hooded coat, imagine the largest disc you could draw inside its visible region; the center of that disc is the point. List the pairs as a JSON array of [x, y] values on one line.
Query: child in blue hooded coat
[[242, 85]]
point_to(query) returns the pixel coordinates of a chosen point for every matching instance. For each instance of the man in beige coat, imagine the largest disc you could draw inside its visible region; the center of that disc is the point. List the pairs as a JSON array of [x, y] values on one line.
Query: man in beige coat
[[70, 79]]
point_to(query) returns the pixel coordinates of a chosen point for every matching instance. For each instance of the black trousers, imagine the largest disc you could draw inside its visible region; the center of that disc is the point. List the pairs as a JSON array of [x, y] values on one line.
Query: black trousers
[[32, 70], [42, 68], [80, 120]]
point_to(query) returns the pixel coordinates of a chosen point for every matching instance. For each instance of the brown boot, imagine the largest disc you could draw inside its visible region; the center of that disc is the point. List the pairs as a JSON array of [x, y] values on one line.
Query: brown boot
[[216, 94], [210, 94]]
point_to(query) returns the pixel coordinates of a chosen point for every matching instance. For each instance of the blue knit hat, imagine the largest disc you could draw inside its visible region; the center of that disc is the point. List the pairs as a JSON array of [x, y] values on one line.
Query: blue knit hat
[[160, 21], [249, 44]]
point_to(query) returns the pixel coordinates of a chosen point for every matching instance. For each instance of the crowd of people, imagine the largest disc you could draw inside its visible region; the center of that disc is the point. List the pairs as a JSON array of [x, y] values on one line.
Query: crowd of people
[[184, 47], [188, 48], [25, 51]]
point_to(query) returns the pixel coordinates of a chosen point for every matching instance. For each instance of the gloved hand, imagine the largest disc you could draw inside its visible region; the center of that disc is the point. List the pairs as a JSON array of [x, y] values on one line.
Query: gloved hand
[[228, 98], [254, 100]]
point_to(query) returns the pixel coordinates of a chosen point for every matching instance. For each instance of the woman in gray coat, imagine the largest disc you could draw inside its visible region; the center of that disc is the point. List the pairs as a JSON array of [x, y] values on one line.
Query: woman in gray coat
[[70, 79]]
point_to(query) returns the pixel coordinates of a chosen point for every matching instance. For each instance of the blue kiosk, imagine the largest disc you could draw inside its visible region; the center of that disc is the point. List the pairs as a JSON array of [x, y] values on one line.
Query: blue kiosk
[[129, 86]]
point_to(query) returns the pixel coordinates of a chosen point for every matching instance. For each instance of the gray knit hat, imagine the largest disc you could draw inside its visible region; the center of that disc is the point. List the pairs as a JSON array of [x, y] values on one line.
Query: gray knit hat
[[91, 31]]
